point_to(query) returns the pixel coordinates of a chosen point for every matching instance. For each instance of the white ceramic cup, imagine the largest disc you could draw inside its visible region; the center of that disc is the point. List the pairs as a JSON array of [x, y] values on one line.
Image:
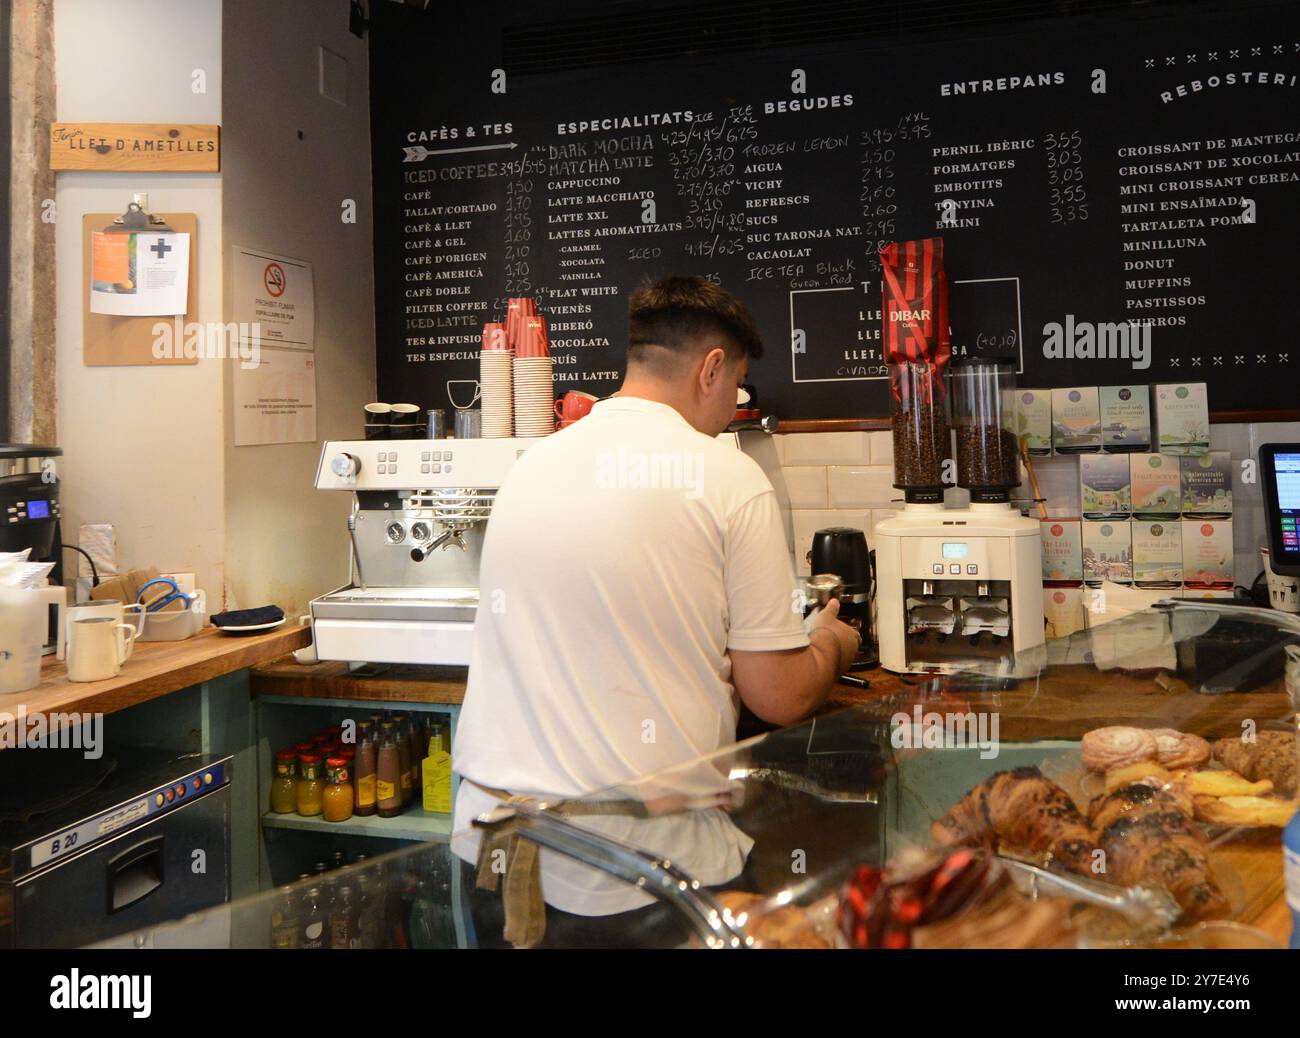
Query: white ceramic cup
[[112, 608], [97, 648]]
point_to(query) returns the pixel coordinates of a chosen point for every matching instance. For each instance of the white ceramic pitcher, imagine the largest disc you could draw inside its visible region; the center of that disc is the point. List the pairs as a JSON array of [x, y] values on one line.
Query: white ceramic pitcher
[[24, 626]]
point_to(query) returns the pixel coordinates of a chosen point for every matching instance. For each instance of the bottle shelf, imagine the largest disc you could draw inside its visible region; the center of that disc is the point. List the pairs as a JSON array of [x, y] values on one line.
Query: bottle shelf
[[414, 825]]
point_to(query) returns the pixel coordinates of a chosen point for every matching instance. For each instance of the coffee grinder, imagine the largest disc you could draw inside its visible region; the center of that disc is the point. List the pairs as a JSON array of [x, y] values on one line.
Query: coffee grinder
[[958, 589], [841, 552]]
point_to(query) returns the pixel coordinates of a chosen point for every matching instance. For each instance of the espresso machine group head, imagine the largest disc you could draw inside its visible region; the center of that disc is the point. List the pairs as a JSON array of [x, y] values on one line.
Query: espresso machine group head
[[419, 512]]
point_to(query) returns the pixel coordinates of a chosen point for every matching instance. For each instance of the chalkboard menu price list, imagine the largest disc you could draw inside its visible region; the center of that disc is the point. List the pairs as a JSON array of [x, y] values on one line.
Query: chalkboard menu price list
[[1118, 204]]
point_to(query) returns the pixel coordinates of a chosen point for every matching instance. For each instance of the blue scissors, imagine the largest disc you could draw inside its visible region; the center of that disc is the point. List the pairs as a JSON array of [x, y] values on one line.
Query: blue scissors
[[166, 598]]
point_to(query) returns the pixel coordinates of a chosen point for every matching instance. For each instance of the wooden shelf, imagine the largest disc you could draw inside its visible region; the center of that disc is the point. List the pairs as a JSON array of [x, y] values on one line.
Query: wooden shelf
[[417, 825], [333, 680]]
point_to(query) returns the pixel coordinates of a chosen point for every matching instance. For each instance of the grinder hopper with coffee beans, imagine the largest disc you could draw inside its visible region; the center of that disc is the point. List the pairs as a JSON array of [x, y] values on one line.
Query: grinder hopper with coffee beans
[[957, 589]]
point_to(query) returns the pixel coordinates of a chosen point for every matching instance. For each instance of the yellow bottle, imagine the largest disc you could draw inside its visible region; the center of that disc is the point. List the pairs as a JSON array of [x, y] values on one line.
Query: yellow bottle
[[436, 779]]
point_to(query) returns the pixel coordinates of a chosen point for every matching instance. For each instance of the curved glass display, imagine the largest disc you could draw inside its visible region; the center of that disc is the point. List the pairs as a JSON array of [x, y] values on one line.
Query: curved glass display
[[1131, 790]]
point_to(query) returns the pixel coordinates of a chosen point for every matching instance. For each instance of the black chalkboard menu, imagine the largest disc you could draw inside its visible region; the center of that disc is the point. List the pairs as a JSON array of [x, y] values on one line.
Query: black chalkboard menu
[[1118, 203]]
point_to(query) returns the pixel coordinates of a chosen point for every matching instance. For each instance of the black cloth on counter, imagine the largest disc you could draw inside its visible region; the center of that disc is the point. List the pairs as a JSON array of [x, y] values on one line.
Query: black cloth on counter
[[267, 614]]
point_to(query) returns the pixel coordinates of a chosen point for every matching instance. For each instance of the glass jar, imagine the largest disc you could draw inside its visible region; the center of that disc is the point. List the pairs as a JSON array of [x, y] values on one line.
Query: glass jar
[[310, 791], [284, 785], [919, 421], [984, 414], [336, 801]]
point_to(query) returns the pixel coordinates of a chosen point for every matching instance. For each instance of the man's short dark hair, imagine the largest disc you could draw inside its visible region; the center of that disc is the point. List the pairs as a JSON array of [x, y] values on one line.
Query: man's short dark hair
[[673, 317]]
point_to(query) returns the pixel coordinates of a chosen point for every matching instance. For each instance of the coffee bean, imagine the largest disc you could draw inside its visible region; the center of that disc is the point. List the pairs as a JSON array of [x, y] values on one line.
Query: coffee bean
[[987, 456], [921, 445]]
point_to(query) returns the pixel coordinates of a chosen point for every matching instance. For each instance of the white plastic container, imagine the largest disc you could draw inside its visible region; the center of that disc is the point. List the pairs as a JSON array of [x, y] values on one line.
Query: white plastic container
[[174, 625]]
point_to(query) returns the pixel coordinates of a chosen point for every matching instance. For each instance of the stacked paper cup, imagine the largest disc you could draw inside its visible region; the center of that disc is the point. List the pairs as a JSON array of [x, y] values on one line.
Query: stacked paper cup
[[534, 386], [496, 379]]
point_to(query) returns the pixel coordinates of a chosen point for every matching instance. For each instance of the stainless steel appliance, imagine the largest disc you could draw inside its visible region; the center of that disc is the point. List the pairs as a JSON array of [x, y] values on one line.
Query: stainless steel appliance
[[419, 512], [148, 845]]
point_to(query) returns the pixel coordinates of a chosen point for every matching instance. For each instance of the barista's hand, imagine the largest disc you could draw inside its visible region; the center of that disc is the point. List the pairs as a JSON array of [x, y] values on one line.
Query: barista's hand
[[847, 637]]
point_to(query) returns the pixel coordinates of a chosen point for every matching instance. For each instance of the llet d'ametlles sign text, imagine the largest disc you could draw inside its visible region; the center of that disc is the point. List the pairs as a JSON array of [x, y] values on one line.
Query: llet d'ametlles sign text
[[154, 147]]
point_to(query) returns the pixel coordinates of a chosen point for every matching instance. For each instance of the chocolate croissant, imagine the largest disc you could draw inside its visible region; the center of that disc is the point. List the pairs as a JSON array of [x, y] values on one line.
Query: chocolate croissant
[[1150, 840], [1021, 808]]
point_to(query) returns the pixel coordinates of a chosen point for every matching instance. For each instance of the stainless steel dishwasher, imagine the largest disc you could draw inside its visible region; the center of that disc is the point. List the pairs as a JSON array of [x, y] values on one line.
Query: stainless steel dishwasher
[[148, 842]]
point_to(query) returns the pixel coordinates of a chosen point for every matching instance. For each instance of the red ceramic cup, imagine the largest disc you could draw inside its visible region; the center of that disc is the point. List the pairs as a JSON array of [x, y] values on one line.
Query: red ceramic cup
[[574, 405]]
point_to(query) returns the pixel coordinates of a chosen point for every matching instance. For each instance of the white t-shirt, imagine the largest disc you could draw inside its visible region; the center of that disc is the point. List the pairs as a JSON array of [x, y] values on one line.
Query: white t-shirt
[[625, 556]]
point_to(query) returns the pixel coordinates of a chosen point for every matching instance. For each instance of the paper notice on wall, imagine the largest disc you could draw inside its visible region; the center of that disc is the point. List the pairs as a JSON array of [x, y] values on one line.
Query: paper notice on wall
[[139, 275], [275, 401], [275, 298]]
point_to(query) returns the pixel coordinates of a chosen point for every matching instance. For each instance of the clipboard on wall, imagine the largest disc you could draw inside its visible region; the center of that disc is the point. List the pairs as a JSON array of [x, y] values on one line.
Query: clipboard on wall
[[109, 340]]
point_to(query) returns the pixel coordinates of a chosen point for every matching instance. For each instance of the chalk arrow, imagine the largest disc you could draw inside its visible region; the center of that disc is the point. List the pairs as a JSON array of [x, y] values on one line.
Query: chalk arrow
[[419, 153]]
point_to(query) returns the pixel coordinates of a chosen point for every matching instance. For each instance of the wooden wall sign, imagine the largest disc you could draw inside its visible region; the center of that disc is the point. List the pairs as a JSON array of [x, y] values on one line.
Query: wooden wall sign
[[151, 147]]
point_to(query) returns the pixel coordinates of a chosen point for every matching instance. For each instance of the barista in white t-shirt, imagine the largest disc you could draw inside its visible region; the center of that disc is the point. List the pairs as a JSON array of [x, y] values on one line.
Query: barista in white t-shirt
[[636, 587]]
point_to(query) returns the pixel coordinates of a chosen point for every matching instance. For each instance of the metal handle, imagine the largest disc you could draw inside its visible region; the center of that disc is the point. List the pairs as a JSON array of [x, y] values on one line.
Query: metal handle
[[711, 922]]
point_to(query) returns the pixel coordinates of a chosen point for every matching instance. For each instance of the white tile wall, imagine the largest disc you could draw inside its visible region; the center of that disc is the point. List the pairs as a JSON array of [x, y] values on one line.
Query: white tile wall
[[861, 486], [806, 485], [829, 448]]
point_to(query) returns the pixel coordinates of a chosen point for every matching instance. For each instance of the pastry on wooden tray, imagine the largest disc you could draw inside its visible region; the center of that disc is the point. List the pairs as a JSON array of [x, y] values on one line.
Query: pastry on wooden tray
[[1147, 772], [1021, 808], [1270, 755], [1175, 749], [1117, 746], [1223, 784], [1149, 838], [1249, 811]]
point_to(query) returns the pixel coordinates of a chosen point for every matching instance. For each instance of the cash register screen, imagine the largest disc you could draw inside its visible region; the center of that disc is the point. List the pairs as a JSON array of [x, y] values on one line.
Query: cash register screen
[[1286, 474]]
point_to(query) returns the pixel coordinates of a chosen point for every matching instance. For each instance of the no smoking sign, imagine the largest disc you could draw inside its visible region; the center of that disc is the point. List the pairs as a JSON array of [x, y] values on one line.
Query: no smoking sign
[[274, 280]]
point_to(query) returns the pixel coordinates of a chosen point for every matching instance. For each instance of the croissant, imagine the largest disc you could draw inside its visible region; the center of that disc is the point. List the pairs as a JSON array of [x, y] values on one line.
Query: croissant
[[1149, 839], [1021, 808], [1271, 756]]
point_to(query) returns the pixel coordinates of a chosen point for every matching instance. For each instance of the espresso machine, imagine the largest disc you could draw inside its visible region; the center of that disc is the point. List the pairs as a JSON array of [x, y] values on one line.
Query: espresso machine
[[419, 512], [958, 589]]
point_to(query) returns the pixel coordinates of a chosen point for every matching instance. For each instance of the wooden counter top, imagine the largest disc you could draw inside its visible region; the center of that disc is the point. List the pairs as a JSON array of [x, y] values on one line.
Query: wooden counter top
[[1069, 701], [154, 669]]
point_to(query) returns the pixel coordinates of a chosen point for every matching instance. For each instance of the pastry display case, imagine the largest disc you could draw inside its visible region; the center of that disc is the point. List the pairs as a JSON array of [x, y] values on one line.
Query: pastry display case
[[1133, 792]]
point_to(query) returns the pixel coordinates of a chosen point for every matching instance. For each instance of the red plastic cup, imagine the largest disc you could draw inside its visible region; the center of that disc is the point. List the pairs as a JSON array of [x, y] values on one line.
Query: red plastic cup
[[518, 310], [533, 340], [495, 337]]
